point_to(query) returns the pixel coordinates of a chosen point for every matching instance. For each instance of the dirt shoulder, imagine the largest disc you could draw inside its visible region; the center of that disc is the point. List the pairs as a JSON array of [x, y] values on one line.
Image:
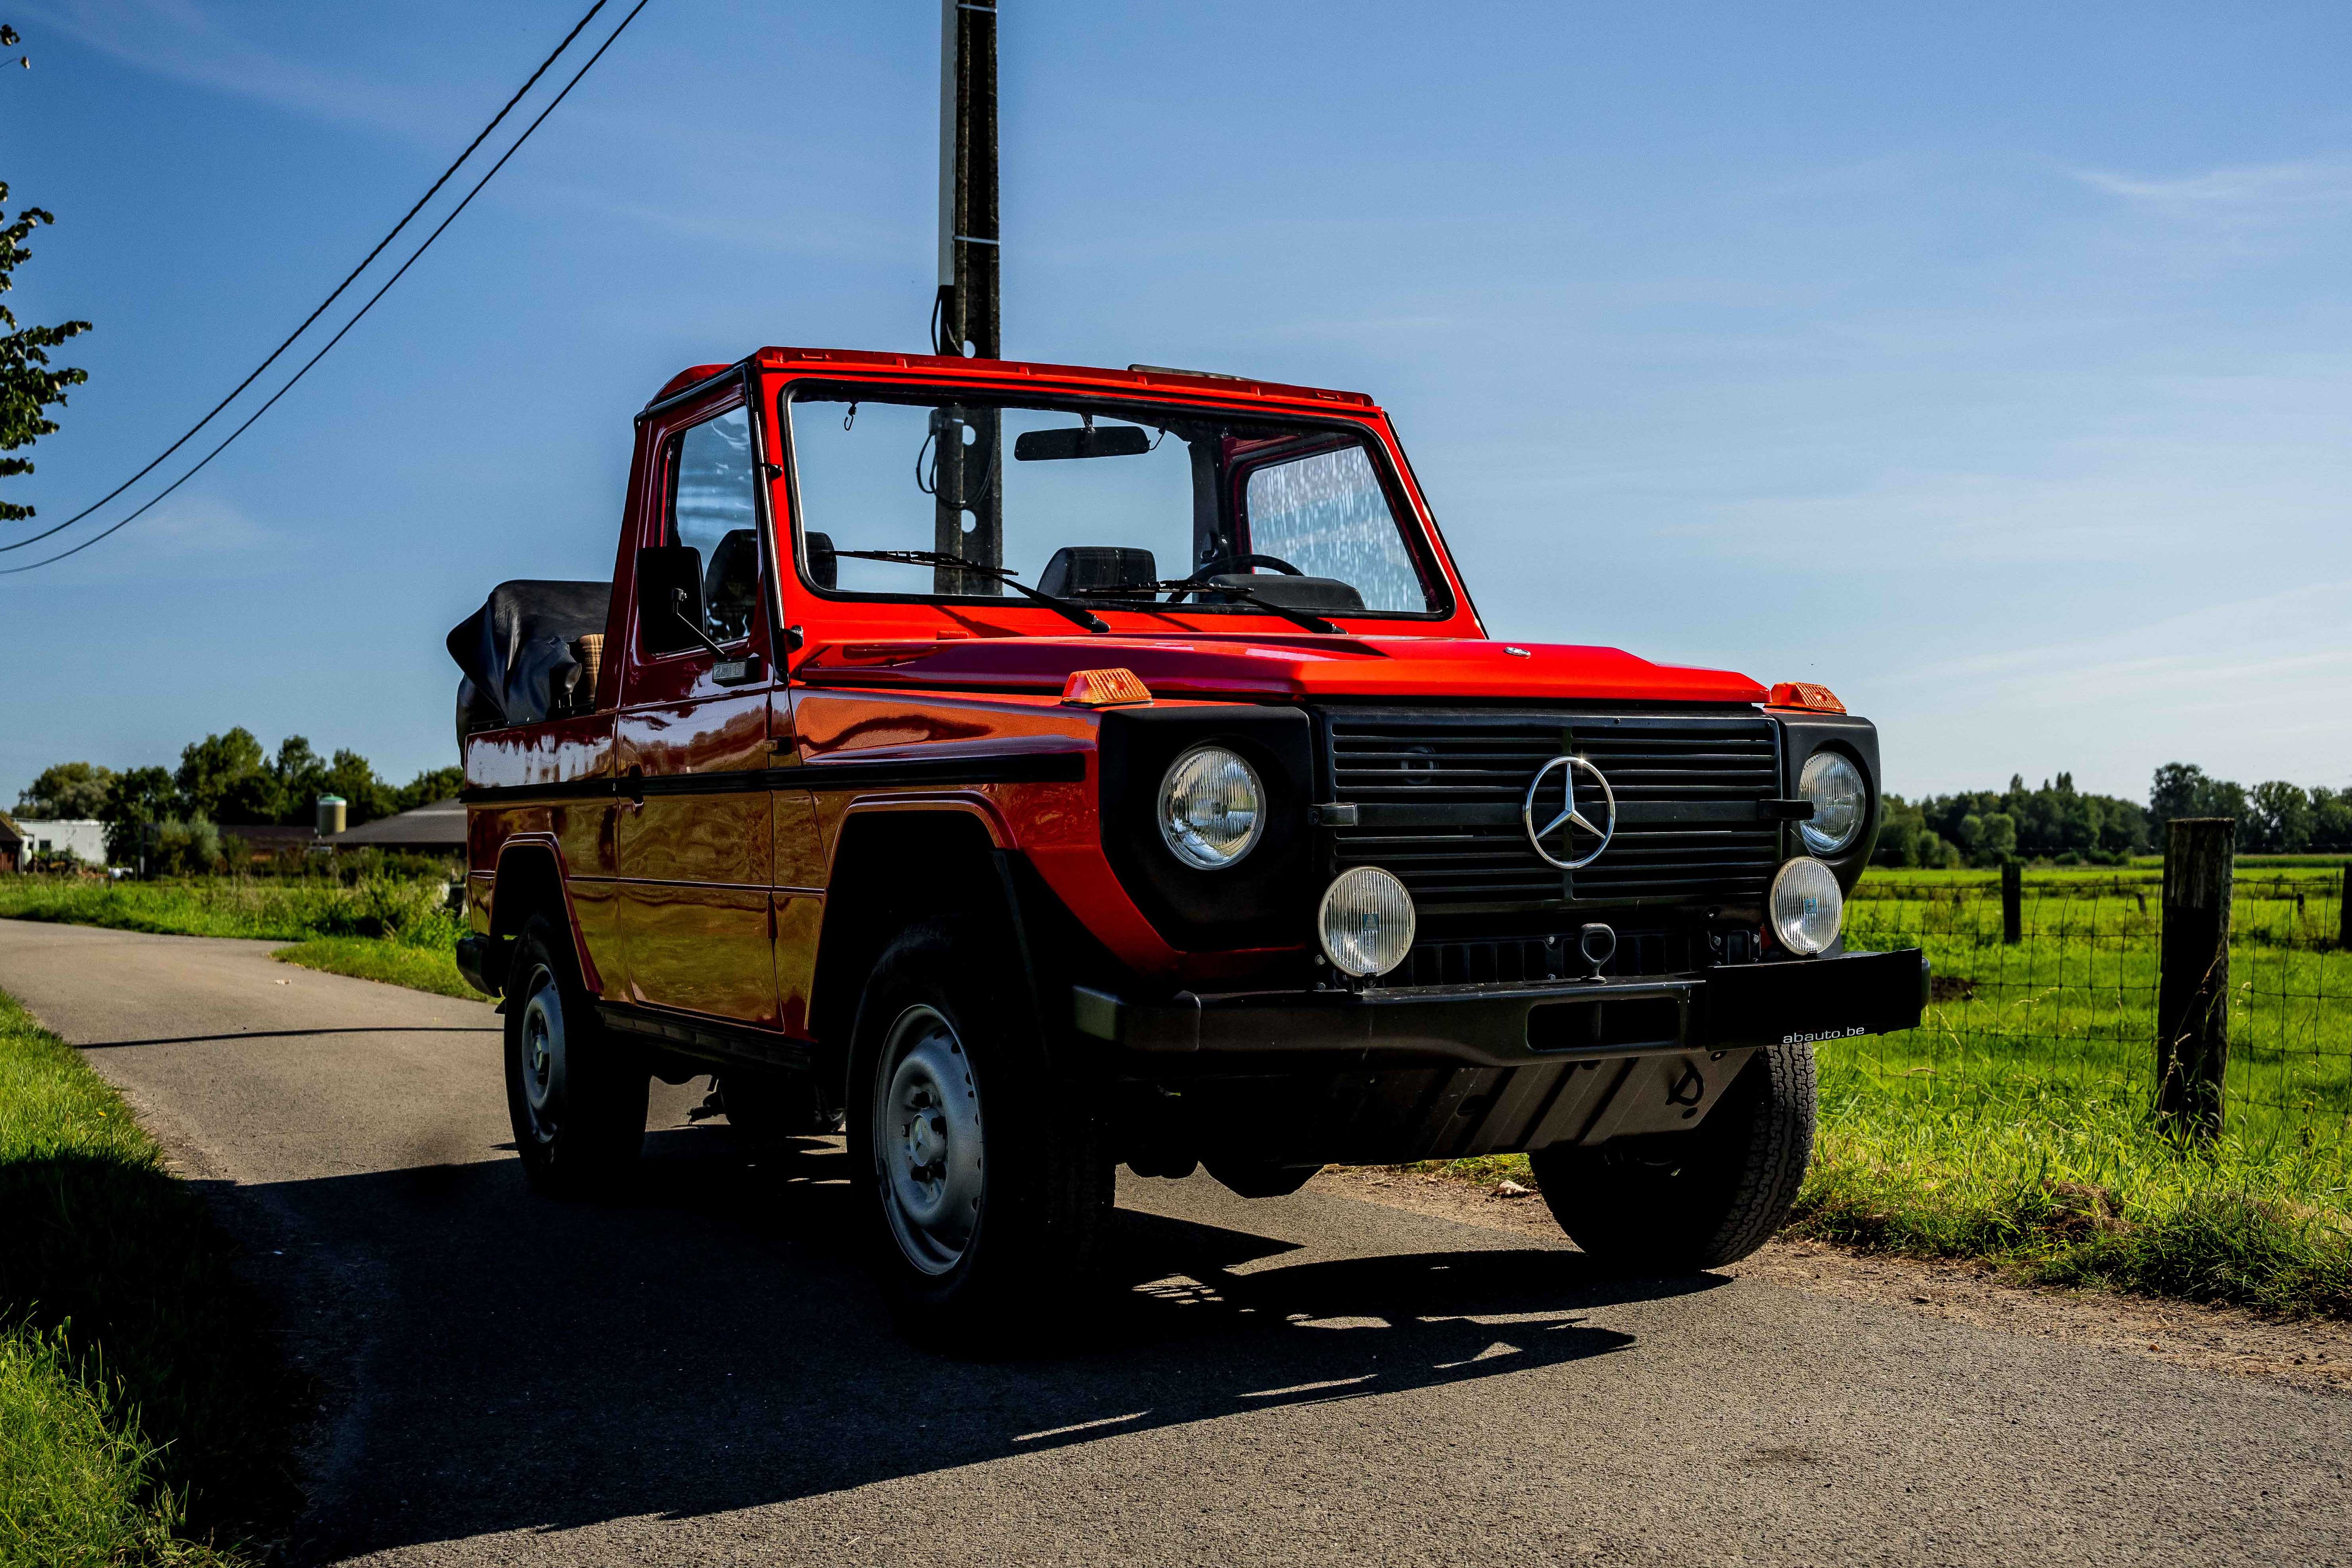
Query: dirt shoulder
[[2314, 1354]]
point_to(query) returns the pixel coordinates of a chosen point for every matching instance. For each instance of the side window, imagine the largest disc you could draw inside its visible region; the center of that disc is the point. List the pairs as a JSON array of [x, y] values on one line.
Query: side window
[[1327, 514], [713, 514]]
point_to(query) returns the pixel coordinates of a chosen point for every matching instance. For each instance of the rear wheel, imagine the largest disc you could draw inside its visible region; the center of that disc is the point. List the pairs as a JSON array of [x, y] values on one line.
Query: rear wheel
[[575, 1096], [987, 1182], [1674, 1202]]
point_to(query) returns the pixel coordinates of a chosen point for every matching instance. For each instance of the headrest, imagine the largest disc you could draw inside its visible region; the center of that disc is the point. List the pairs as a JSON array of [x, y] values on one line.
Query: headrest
[[1077, 566]]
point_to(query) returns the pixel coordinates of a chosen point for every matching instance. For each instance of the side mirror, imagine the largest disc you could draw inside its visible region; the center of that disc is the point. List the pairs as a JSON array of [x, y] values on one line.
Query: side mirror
[[668, 576]]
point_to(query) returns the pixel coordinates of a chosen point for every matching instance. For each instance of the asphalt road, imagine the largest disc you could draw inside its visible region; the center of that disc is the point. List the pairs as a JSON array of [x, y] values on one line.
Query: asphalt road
[[701, 1374]]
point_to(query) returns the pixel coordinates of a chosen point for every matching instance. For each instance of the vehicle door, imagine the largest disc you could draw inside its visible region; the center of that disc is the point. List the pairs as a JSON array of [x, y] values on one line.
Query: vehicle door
[[692, 739], [799, 850]]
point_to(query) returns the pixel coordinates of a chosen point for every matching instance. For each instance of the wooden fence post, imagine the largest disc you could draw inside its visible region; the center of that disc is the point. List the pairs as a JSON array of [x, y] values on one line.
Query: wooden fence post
[[2344, 913], [2012, 903], [2193, 1003]]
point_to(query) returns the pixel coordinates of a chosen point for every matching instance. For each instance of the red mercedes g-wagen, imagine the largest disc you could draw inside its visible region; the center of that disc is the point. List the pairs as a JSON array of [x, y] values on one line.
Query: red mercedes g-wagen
[[1026, 768]]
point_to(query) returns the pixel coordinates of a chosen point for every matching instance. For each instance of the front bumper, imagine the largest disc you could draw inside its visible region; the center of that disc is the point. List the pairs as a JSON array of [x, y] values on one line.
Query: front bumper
[[1727, 1007]]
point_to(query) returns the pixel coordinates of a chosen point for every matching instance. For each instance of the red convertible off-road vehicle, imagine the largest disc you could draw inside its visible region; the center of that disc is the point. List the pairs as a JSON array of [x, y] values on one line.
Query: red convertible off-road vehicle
[[1026, 768]]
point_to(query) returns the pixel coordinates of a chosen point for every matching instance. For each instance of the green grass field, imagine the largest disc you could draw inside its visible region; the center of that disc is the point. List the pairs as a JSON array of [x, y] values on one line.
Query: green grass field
[[2015, 1121], [144, 1414], [388, 929], [2064, 1020]]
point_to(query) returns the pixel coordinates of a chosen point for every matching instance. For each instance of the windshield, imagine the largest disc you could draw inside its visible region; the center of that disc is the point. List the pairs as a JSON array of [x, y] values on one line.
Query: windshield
[[1112, 505]]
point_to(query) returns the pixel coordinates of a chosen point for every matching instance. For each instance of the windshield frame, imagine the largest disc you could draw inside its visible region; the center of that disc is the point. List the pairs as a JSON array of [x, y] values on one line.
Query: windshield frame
[[1412, 527]]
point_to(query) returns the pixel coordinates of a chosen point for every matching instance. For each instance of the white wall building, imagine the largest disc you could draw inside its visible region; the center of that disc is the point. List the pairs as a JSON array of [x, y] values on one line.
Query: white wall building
[[85, 835]]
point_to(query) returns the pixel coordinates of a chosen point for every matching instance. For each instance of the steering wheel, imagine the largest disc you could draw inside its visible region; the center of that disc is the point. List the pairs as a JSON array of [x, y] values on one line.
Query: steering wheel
[[1222, 564]]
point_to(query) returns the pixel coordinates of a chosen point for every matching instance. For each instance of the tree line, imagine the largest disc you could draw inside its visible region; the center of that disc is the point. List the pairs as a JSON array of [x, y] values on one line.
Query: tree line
[[226, 781], [2067, 827]]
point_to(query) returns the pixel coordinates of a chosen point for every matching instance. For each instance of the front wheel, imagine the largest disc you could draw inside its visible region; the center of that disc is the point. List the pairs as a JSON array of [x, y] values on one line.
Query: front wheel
[[1670, 1203], [987, 1182]]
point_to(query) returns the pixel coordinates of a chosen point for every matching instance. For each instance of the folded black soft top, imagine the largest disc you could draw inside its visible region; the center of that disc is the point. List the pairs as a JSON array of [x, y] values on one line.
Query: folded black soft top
[[516, 651]]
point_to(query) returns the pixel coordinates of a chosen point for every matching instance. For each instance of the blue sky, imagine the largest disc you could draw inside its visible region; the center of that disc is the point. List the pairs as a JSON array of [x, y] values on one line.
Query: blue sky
[[1985, 363]]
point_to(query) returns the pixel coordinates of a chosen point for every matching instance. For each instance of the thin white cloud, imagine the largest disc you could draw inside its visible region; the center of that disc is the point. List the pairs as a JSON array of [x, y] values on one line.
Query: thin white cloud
[[208, 526], [178, 41], [2267, 188], [2278, 656]]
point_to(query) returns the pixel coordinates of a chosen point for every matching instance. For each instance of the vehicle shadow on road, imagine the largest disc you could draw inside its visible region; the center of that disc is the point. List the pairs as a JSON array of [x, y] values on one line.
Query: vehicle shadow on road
[[708, 1343]]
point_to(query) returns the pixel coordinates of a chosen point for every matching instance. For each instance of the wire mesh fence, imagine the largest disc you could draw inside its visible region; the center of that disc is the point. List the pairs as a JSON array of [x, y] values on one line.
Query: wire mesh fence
[[2061, 1020]]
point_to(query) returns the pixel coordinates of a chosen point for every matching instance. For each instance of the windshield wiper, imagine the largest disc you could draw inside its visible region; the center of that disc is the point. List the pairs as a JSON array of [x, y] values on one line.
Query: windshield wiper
[[1060, 606], [1308, 618]]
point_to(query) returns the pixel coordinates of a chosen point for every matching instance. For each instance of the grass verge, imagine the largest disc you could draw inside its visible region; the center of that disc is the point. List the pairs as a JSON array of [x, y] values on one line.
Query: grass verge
[[2100, 1198], [433, 969], [145, 1416], [389, 929]]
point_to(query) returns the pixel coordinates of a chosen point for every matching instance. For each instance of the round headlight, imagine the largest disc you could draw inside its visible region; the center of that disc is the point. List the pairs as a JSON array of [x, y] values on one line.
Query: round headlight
[[1840, 801], [1366, 922], [1807, 906], [1211, 807]]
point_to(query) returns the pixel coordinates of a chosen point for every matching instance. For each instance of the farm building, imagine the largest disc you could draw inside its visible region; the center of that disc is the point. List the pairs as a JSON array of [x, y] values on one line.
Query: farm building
[[39, 838], [436, 829]]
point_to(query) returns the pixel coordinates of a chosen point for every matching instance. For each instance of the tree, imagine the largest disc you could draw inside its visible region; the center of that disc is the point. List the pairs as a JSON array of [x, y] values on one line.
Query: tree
[[433, 784], [27, 386], [365, 796], [302, 777], [2282, 819], [2184, 789], [67, 790], [2331, 820], [216, 781], [137, 796]]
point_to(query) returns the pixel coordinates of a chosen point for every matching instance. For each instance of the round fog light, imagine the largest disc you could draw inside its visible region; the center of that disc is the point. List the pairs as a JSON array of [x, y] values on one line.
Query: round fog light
[[1807, 906], [1366, 922]]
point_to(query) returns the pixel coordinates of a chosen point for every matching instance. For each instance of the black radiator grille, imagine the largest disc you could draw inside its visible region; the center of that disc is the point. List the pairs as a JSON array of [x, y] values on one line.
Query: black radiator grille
[[1439, 794]]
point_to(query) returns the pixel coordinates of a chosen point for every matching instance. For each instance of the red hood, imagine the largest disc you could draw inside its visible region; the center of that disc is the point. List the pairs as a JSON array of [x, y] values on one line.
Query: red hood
[[1261, 667]]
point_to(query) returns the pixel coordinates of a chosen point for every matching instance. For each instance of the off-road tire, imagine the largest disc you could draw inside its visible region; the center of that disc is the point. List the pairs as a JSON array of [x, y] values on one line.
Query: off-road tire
[[579, 1110], [1673, 1203], [1040, 1173]]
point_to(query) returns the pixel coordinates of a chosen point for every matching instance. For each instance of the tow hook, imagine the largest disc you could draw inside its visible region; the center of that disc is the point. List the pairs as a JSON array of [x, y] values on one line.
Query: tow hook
[[1596, 944]]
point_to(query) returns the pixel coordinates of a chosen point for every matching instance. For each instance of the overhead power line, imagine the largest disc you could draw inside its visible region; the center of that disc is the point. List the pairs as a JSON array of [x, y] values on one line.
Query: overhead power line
[[309, 320]]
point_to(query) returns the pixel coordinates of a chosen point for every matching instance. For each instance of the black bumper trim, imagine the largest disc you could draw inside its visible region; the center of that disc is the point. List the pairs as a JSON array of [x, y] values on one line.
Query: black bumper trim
[[480, 957], [1734, 1005]]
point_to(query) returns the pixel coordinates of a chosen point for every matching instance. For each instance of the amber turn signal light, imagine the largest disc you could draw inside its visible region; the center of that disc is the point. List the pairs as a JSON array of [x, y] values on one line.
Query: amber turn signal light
[[1104, 688], [1803, 694]]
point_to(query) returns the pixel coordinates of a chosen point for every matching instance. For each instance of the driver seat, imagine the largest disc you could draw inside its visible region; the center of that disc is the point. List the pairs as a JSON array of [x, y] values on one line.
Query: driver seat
[[1318, 594]]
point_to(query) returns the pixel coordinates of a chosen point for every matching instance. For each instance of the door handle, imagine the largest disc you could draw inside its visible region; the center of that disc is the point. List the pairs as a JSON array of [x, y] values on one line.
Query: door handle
[[637, 785], [738, 671]]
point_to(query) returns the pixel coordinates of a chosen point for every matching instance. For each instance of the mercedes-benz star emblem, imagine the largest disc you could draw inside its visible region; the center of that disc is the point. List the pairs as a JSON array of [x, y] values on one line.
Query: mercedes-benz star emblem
[[1568, 820]]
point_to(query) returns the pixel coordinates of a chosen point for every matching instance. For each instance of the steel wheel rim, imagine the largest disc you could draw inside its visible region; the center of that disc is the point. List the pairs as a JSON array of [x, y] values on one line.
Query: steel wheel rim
[[927, 1140], [541, 1063]]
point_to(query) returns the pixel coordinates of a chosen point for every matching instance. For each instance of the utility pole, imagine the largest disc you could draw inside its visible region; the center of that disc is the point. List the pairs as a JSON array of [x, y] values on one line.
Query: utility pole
[[970, 505]]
